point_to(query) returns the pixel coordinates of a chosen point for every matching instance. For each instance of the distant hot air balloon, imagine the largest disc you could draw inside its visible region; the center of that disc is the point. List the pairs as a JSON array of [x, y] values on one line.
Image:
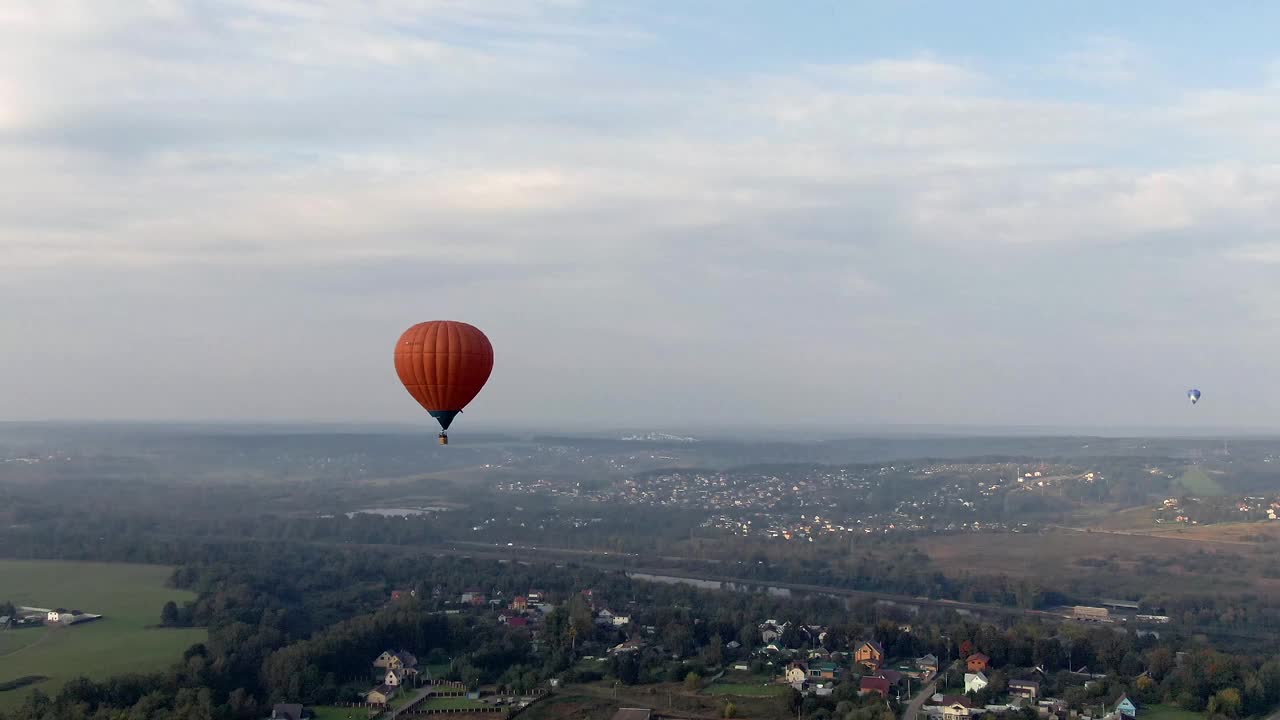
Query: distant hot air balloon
[[443, 364], [1193, 395]]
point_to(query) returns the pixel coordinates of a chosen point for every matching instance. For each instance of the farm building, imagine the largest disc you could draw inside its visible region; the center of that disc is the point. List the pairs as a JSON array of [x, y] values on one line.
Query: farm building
[[1091, 614], [58, 616]]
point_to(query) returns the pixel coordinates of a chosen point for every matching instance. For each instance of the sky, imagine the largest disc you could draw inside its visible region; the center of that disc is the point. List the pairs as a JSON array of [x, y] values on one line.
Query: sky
[[663, 213]]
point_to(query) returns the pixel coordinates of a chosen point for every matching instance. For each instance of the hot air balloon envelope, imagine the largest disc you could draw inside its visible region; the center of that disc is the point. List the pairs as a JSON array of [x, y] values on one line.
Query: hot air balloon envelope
[[443, 364], [1194, 396]]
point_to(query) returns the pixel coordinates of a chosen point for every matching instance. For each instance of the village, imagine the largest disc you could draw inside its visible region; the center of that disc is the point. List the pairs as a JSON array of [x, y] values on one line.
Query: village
[[804, 502], [803, 660]]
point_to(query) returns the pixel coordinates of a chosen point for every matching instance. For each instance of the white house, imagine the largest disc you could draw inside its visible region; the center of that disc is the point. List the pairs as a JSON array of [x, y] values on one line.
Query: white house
[[973, 682], [607, 617], [958, 710], [796, 672]]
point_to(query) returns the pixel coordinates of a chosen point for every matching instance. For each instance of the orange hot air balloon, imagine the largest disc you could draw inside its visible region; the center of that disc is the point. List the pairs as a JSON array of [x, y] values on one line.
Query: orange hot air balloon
[[443, 364]]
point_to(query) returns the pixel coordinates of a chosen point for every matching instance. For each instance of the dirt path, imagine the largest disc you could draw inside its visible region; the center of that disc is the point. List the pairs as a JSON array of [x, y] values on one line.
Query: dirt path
[[43, 636]]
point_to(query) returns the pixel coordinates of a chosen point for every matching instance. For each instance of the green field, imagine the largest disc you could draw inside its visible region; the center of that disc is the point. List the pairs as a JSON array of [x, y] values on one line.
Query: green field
[[1167, 712], [747, 689], [128, 596], [15, 640], [451, 703], [1198, 481], [323, 712]]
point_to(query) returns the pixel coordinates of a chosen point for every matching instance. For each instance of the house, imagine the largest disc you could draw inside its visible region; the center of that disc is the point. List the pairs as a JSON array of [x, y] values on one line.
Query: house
[[287, 711], [381, 695], [978, 662], [1126, 708], [893, 676], [973, 682], [956, 708], [869, 654], [519, 602], [608, 617], [796, 672], [468, 597], [403, 664], [1028, 689], [928, 662], [733, 645], [393, 678], [1052, 709], [409, 662], [823, 671], [535, 597], [518, 622], [770, 632], [626, 647], [874, 684], [814, 633]]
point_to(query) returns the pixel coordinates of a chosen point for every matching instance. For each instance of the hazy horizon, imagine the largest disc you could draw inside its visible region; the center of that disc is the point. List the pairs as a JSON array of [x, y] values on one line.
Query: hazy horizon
[[792, 432], [663, 215]]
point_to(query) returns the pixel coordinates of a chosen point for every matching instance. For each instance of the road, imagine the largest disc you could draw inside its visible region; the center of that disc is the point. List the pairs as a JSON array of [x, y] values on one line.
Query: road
[[917, 703], [418, 695]]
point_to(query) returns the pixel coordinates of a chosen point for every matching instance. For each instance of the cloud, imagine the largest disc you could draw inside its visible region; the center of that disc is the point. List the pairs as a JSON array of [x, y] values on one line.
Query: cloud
[[902, 75], [311, 166], [1104, 61], [1265, 253]]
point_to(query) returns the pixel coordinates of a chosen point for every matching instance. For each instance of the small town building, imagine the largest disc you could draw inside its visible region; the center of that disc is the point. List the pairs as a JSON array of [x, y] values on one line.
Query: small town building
[[869, 654], [1028, 689], [974, 682]]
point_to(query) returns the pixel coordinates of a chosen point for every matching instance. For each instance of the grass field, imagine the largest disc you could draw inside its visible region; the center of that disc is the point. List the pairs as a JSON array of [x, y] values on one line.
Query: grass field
[[571, 707], [15, 640], [451, 703], [1138, 519], [326, 712], [1056, 555], [1200, 482], [1238, 532], [129, 596], [747, 690], [1168, 712]]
